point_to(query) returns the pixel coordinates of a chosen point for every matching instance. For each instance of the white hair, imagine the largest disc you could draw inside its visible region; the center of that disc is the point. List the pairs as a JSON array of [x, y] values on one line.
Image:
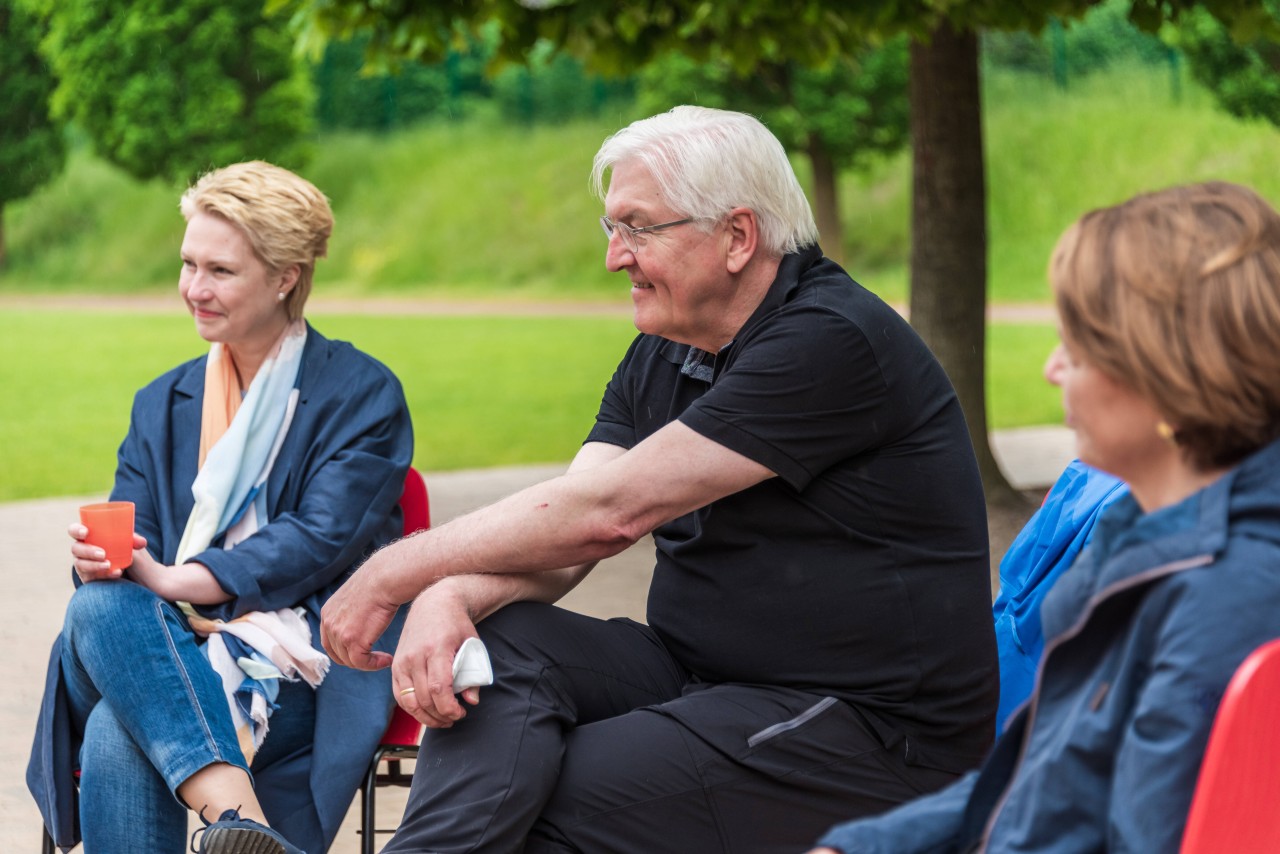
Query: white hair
[[707, 162]]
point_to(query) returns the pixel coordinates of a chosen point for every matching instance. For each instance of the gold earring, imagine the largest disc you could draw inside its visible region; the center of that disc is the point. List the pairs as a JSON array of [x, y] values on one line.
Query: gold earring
[[1165, 431]]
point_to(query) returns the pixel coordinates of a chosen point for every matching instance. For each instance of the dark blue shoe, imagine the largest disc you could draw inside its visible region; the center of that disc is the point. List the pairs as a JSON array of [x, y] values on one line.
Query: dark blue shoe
[[231, 834]]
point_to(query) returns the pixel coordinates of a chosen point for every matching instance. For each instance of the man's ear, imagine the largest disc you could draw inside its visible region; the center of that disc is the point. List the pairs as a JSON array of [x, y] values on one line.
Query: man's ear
[[744, 238]]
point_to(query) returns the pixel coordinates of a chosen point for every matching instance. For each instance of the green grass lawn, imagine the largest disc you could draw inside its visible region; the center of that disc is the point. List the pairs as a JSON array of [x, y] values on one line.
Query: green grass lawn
[[484, 391], [1017, 393]]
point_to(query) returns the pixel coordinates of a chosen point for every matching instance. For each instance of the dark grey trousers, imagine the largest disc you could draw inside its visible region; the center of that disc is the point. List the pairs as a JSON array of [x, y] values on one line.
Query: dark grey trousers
[[594, 739]]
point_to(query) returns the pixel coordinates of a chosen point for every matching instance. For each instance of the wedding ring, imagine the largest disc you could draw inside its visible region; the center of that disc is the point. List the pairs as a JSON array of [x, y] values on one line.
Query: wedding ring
[[408, 690]]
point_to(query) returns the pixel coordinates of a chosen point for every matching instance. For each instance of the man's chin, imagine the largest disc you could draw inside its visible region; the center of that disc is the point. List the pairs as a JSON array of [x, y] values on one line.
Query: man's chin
[[645, 322]]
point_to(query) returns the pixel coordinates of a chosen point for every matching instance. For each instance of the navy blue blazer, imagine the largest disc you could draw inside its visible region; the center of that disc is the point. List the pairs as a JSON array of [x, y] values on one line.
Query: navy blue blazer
[[332, 500]]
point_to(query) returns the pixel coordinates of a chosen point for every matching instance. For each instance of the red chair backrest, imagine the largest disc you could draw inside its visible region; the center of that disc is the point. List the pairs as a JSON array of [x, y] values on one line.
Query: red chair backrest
[[403, 730], [414, 505], [1237, 801]]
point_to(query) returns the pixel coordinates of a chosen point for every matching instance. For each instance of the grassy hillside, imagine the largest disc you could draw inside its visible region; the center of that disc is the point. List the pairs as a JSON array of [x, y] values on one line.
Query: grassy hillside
[[488, 208], [480, 206]]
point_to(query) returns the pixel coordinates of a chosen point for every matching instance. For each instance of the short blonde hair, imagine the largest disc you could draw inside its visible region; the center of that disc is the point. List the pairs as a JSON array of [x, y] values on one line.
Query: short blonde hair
[[1176, 294], [286, 219]]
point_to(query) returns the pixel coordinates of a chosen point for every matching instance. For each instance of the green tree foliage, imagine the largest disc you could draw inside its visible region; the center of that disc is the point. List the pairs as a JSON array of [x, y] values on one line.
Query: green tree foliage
[[1244, 76], [552, 86], [623, 35], [348, 97], [173, 88], [1102, 37], [31, 146], [549, 87]]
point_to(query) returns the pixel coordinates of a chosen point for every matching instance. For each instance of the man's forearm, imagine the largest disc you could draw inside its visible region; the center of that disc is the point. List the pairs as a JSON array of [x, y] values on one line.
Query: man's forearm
[[482, 595], [607, 501], [563, 522]]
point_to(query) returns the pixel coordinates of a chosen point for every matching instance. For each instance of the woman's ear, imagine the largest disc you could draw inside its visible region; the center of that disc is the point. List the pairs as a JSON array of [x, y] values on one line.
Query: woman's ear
[[289, 278], [744, 238]]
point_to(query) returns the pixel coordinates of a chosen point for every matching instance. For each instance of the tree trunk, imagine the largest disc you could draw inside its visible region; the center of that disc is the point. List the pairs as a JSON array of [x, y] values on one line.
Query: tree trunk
[[826, 202], [949, 228]]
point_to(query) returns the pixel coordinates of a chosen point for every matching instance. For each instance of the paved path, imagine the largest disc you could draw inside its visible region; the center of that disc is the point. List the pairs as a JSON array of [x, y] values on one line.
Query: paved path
[[35, 577]]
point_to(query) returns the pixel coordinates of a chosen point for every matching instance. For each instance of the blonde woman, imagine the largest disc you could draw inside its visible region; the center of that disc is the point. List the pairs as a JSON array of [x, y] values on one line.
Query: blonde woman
[[261, 474]]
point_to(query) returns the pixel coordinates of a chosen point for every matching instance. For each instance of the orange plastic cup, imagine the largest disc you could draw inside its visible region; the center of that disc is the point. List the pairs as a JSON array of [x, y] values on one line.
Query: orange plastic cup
[[110, 527]]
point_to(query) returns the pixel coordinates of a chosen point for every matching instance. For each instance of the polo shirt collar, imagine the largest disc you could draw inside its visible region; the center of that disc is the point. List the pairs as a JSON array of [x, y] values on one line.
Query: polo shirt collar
[[699, 364], [790, 269]]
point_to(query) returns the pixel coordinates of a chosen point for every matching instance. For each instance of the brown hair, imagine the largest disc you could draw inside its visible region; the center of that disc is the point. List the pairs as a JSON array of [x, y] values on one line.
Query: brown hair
[[285, 218], [1177, 295]]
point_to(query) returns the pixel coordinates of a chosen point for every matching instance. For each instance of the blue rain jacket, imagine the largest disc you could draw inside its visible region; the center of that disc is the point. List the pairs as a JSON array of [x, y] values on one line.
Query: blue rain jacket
[[1044, 548]]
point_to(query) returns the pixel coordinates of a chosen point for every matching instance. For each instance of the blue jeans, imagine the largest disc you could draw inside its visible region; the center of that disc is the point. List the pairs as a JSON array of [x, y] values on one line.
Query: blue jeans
[[152, 712]]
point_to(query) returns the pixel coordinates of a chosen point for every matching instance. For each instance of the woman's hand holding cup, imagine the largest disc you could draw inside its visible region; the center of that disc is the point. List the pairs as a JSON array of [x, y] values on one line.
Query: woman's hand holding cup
[[104, 540]]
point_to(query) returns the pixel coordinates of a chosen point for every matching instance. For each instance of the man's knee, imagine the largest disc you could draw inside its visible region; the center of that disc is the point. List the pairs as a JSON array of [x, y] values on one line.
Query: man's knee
[[543, 838], [514, 622], [534, 634]]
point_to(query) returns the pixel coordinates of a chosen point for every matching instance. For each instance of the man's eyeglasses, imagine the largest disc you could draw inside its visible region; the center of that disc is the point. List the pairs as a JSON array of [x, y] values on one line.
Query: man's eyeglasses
[[631, 236]]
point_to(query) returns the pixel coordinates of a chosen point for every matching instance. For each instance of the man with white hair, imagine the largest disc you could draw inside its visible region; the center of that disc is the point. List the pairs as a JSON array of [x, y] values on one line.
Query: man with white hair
[[819, 638]]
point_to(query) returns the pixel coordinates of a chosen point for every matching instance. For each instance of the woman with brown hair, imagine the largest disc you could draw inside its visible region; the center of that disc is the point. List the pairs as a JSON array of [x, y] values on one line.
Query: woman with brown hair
[[1170, 374]]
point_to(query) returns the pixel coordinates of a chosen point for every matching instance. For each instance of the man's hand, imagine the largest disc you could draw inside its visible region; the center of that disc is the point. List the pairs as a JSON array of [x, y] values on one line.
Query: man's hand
[[422, 673], [356, 616]]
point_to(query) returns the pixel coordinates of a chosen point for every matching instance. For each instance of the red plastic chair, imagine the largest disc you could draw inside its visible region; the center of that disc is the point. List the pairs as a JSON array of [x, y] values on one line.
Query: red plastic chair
[[400, 741], [1236, 806]]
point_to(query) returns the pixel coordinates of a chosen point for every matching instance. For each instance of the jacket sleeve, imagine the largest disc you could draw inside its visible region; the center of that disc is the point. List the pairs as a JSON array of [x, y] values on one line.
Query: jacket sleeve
[[346, 466], [136, 479], [928, 825], [1198, 639]]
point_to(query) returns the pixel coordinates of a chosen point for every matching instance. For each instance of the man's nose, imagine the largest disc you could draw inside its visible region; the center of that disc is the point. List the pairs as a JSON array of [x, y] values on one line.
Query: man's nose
[[618, 256]]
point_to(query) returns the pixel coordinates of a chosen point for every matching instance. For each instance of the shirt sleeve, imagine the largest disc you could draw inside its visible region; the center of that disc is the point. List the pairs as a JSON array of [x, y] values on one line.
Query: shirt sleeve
[[135, 475], [615, 421], [1197, 648], [805, 392], [926, 825]]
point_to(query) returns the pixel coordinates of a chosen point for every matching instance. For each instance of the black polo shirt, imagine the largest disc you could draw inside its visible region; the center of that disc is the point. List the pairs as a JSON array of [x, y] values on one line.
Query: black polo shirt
[[862, 570]]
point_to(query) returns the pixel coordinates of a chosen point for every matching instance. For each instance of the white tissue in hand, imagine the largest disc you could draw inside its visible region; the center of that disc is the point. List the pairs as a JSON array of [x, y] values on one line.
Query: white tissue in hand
[[471, 667]]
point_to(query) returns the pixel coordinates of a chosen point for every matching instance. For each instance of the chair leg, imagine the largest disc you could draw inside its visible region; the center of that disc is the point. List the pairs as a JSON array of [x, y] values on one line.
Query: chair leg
[[368, 794], [46, 846]]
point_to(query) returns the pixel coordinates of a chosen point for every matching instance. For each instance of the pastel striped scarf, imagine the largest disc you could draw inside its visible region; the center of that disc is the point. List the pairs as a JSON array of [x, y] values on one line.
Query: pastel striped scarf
[[239, 441]]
